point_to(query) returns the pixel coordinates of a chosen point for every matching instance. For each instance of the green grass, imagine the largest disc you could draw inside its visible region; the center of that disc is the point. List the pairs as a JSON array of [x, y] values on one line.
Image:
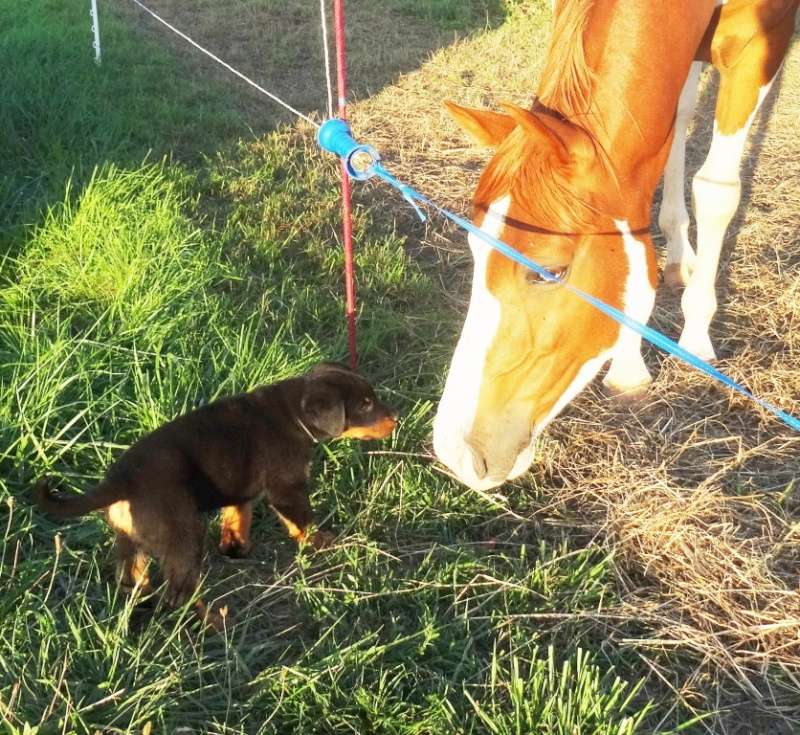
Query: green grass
[[62, 115], [456, 14], [133, 288]]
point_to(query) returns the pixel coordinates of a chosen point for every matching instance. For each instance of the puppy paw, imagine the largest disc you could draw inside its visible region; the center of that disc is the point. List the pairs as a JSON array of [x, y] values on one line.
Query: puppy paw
[[234, 549], [321, 539], [213, 618], [141, 588]]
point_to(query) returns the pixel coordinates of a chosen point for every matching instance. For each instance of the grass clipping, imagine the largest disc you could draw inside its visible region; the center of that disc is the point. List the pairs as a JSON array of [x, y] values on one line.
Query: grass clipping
[[693, 488]]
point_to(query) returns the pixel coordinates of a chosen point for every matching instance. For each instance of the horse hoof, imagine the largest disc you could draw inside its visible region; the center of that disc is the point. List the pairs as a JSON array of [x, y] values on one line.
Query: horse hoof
[[628, 395], [676, 275], [700, 346]]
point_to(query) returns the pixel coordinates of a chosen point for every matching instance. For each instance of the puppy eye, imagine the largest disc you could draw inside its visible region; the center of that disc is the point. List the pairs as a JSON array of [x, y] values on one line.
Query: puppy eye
[[536, 279], [366, 404]]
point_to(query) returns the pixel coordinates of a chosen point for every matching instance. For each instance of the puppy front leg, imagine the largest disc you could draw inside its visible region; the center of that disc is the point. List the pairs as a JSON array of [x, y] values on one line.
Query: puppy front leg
[[235, 536], [292, 506]]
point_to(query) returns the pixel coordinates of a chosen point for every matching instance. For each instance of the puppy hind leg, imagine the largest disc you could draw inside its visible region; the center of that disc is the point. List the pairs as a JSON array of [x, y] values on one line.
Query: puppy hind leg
[[181, 566], [182, 563], [131, 565], [182, 573]]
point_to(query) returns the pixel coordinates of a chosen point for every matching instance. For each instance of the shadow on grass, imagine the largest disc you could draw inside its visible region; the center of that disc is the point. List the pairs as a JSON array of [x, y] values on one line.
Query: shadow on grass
[[153, 95], [62, 115]]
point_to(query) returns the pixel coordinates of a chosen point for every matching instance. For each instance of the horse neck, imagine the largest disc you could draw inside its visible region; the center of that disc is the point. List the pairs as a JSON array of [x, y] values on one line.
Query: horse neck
[[638, 53]]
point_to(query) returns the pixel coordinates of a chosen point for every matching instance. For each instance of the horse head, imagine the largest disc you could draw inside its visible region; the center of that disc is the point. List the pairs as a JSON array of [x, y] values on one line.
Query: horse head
[[529, 345]]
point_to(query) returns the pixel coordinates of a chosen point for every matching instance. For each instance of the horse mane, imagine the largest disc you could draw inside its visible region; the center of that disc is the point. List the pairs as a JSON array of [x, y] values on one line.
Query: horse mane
[[566, 81], [565, 87]]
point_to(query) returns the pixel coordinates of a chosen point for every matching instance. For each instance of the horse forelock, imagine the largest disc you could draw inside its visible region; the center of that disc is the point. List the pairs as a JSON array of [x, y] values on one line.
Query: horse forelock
[[536, 185]]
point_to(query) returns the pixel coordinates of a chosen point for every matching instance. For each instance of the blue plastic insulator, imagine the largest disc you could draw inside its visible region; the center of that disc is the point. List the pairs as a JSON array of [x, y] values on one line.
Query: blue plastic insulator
[[334, 136]]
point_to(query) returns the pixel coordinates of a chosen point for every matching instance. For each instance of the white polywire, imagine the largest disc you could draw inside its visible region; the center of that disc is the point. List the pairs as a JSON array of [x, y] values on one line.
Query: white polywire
[[326, 50], [239, 74], [95, 30]]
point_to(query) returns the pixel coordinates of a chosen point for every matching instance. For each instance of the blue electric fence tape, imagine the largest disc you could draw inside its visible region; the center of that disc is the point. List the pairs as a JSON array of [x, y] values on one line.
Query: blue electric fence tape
[[335, 137]]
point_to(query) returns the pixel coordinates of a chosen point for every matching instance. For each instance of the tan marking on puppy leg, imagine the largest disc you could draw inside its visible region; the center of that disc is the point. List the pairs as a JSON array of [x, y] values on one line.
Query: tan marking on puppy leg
[[298, 534], [317, 539], [236, 523], [120, 518], [138, 571], [131, 565], [132, 572]]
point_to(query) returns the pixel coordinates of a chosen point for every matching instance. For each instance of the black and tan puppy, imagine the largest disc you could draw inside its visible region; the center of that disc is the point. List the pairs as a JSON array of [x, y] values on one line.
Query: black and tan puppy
[[225, 455]]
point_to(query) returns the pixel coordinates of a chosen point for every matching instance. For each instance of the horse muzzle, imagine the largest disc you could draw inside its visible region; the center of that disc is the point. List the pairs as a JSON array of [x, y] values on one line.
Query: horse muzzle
[[473, 462]]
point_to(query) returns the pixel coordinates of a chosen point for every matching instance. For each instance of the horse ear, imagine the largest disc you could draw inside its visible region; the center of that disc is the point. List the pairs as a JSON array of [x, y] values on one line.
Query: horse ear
[[550, 134], [485, 127]]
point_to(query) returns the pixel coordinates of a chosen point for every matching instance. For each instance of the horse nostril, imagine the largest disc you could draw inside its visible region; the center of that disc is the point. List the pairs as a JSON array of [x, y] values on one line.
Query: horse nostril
[[479, 464]]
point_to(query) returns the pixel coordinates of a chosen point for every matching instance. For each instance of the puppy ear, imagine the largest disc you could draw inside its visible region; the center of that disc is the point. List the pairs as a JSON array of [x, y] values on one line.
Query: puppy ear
[[323, 408]]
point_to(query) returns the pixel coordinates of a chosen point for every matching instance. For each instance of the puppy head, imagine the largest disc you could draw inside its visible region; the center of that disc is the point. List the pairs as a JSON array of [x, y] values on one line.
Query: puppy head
[[338, 402]]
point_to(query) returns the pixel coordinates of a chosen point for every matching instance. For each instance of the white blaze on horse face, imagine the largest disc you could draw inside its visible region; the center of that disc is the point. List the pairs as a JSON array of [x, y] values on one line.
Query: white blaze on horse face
[[458, 406], [587, 371], [628, 370]]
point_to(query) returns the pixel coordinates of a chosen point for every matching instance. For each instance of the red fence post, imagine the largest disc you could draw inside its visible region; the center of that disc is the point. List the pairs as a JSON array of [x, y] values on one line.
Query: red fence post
[[347, 209]]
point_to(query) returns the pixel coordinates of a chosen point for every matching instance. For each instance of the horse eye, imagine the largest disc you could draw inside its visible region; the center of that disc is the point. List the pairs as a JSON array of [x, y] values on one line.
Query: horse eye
[[535, 279]]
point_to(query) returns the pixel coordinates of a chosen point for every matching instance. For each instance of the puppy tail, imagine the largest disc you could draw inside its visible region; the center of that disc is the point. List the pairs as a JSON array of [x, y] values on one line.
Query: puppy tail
[[70, 506]]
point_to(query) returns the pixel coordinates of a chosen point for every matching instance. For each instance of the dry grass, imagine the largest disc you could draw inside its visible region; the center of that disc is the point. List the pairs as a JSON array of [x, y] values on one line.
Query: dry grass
[[278, 44], [693, 487]]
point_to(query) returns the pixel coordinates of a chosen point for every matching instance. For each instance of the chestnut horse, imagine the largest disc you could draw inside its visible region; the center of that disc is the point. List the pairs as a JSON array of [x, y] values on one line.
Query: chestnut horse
[[571, 185]]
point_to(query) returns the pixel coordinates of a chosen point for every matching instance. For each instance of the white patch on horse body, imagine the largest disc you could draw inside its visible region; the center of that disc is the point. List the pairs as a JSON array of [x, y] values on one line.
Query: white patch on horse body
[[628, 372], [459, 403], [673, 218], [717, 189]]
